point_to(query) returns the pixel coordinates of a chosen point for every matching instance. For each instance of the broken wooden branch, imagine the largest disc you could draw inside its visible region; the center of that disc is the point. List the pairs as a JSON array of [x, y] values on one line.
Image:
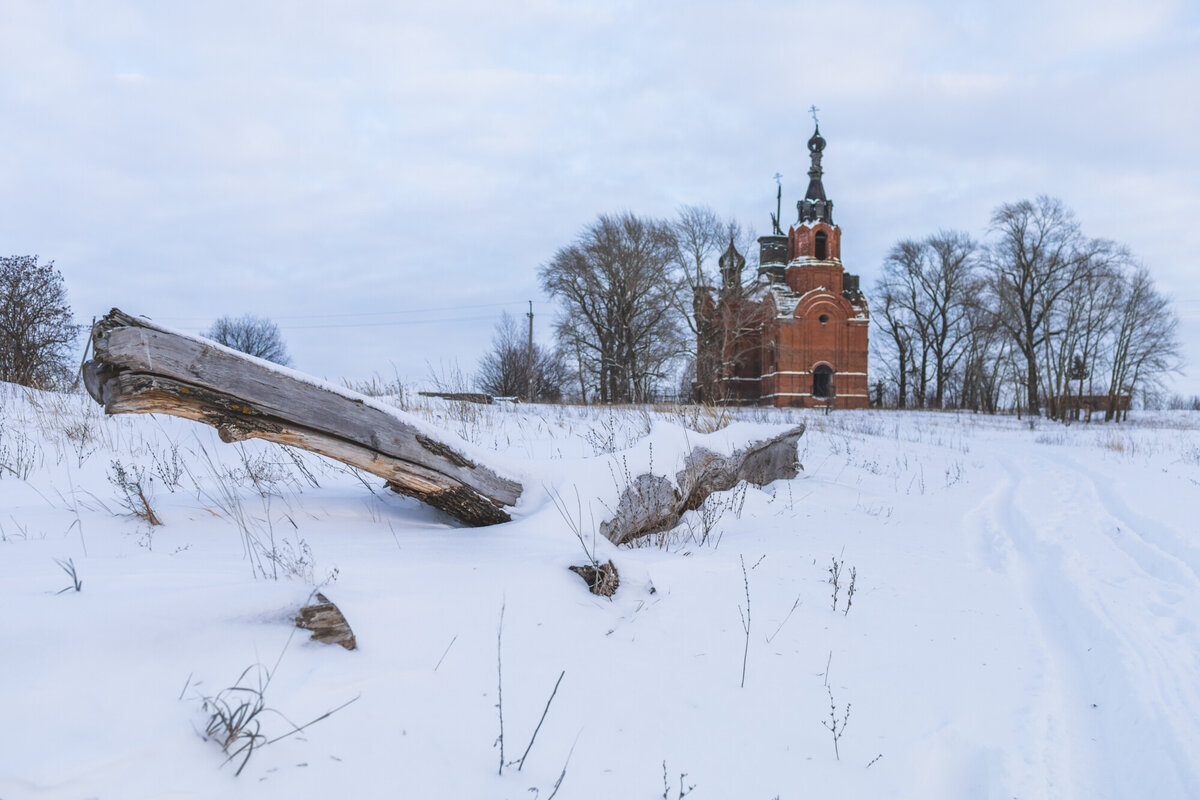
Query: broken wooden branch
[[602, 579], [653, 503], [327, 623]]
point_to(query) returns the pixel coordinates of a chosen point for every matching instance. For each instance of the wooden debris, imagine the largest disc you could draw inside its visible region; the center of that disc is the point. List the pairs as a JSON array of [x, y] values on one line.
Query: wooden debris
[[141, 367], [602, 579], [326, 622], [653, 503]]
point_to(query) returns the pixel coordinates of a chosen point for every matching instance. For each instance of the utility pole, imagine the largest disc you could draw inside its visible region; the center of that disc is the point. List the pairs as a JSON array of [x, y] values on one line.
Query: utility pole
[[529, 356]]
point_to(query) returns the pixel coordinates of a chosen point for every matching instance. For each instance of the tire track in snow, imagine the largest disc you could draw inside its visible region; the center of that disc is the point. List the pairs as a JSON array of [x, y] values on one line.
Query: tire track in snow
[[1152, 605], [1110, 727], [1159, 550], [1033, 770]]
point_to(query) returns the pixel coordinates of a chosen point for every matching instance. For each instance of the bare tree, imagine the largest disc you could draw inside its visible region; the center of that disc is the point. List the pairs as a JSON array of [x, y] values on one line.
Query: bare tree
[[1081, 336], [893, 317], [698, 238], [984, 356], [714, 344], [1145, 345], [36, 326], [616, 287], [255, 336], [699, 235], [1037, 255], [948, 283], [511, 369], [925, 291]]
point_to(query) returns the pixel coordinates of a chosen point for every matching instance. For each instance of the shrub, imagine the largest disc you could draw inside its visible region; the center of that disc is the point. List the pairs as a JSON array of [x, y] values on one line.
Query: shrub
[[37, 330], [255, 336]]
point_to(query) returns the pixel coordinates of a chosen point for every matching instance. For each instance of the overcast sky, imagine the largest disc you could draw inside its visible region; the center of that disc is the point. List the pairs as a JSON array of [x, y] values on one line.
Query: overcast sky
[[383, 179]]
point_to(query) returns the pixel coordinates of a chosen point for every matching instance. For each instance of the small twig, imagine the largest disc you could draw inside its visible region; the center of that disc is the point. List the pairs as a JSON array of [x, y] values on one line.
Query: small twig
[[795, 605], [873, 760], [186, 685], [546, 710], [828, 661], [667, 786], [745, 619], [563, 774], [575, 523], [850, 590], [328, 713], [835, 574], [500, 686], [835, 726], [443, 658]]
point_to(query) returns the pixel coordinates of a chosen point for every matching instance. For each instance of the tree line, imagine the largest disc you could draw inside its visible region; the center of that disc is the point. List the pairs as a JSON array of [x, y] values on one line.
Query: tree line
[[1038, 316]]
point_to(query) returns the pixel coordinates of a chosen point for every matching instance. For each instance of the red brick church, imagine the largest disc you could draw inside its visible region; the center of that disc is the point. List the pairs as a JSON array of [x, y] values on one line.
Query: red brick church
[[797, 334]]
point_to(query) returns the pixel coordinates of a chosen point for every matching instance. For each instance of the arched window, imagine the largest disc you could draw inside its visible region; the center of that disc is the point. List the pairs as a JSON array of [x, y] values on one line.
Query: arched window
[[822, 246], [822, 382]]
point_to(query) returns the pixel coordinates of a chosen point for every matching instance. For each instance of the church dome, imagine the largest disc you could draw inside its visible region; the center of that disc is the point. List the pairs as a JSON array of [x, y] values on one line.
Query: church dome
[[817, 143]]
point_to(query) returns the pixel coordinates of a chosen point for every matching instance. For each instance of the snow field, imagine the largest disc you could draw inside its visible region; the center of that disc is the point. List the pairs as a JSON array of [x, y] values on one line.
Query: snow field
[[1023, 622]]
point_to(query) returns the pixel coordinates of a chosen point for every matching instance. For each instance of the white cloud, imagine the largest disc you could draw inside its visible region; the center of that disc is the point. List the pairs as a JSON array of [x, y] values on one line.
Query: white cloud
[[301, 159]]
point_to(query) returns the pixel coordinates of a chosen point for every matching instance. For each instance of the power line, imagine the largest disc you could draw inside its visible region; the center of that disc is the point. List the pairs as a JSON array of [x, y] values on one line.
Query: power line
[[403, 311], [359, 314], [391, 323]]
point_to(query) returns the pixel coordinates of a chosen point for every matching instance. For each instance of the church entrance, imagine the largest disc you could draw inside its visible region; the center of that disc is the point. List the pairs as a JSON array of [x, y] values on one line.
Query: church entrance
[[822, 382]]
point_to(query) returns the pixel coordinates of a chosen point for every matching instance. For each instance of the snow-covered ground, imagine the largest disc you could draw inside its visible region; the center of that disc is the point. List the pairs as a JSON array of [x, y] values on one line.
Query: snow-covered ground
[[1023, 622]]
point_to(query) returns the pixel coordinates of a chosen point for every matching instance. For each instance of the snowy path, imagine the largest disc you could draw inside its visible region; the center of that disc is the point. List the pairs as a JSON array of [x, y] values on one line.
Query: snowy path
[[1114, 596]]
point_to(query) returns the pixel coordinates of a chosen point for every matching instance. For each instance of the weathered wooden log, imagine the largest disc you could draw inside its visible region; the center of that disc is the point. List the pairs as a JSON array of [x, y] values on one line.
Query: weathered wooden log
[[653, 503], [141, 367]]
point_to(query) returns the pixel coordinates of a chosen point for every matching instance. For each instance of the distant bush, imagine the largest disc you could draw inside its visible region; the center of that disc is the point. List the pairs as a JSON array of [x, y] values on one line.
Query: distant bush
[[255, 336], [1178, 402], [37, 330]]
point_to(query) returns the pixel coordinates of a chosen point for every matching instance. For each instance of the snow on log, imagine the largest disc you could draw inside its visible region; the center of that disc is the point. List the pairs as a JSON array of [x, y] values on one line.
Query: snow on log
[[141, 367]]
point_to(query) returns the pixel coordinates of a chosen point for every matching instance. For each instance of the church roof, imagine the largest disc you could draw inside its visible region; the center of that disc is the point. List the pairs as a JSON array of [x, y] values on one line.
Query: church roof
[[816, 145], [815, 207]]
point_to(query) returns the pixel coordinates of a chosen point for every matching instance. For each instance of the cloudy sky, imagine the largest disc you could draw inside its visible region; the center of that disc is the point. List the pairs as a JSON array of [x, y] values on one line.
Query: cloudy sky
[[383, 179]]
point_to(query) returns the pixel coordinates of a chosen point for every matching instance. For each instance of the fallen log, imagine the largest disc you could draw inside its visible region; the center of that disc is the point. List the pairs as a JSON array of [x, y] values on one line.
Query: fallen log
[[141, 367]]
